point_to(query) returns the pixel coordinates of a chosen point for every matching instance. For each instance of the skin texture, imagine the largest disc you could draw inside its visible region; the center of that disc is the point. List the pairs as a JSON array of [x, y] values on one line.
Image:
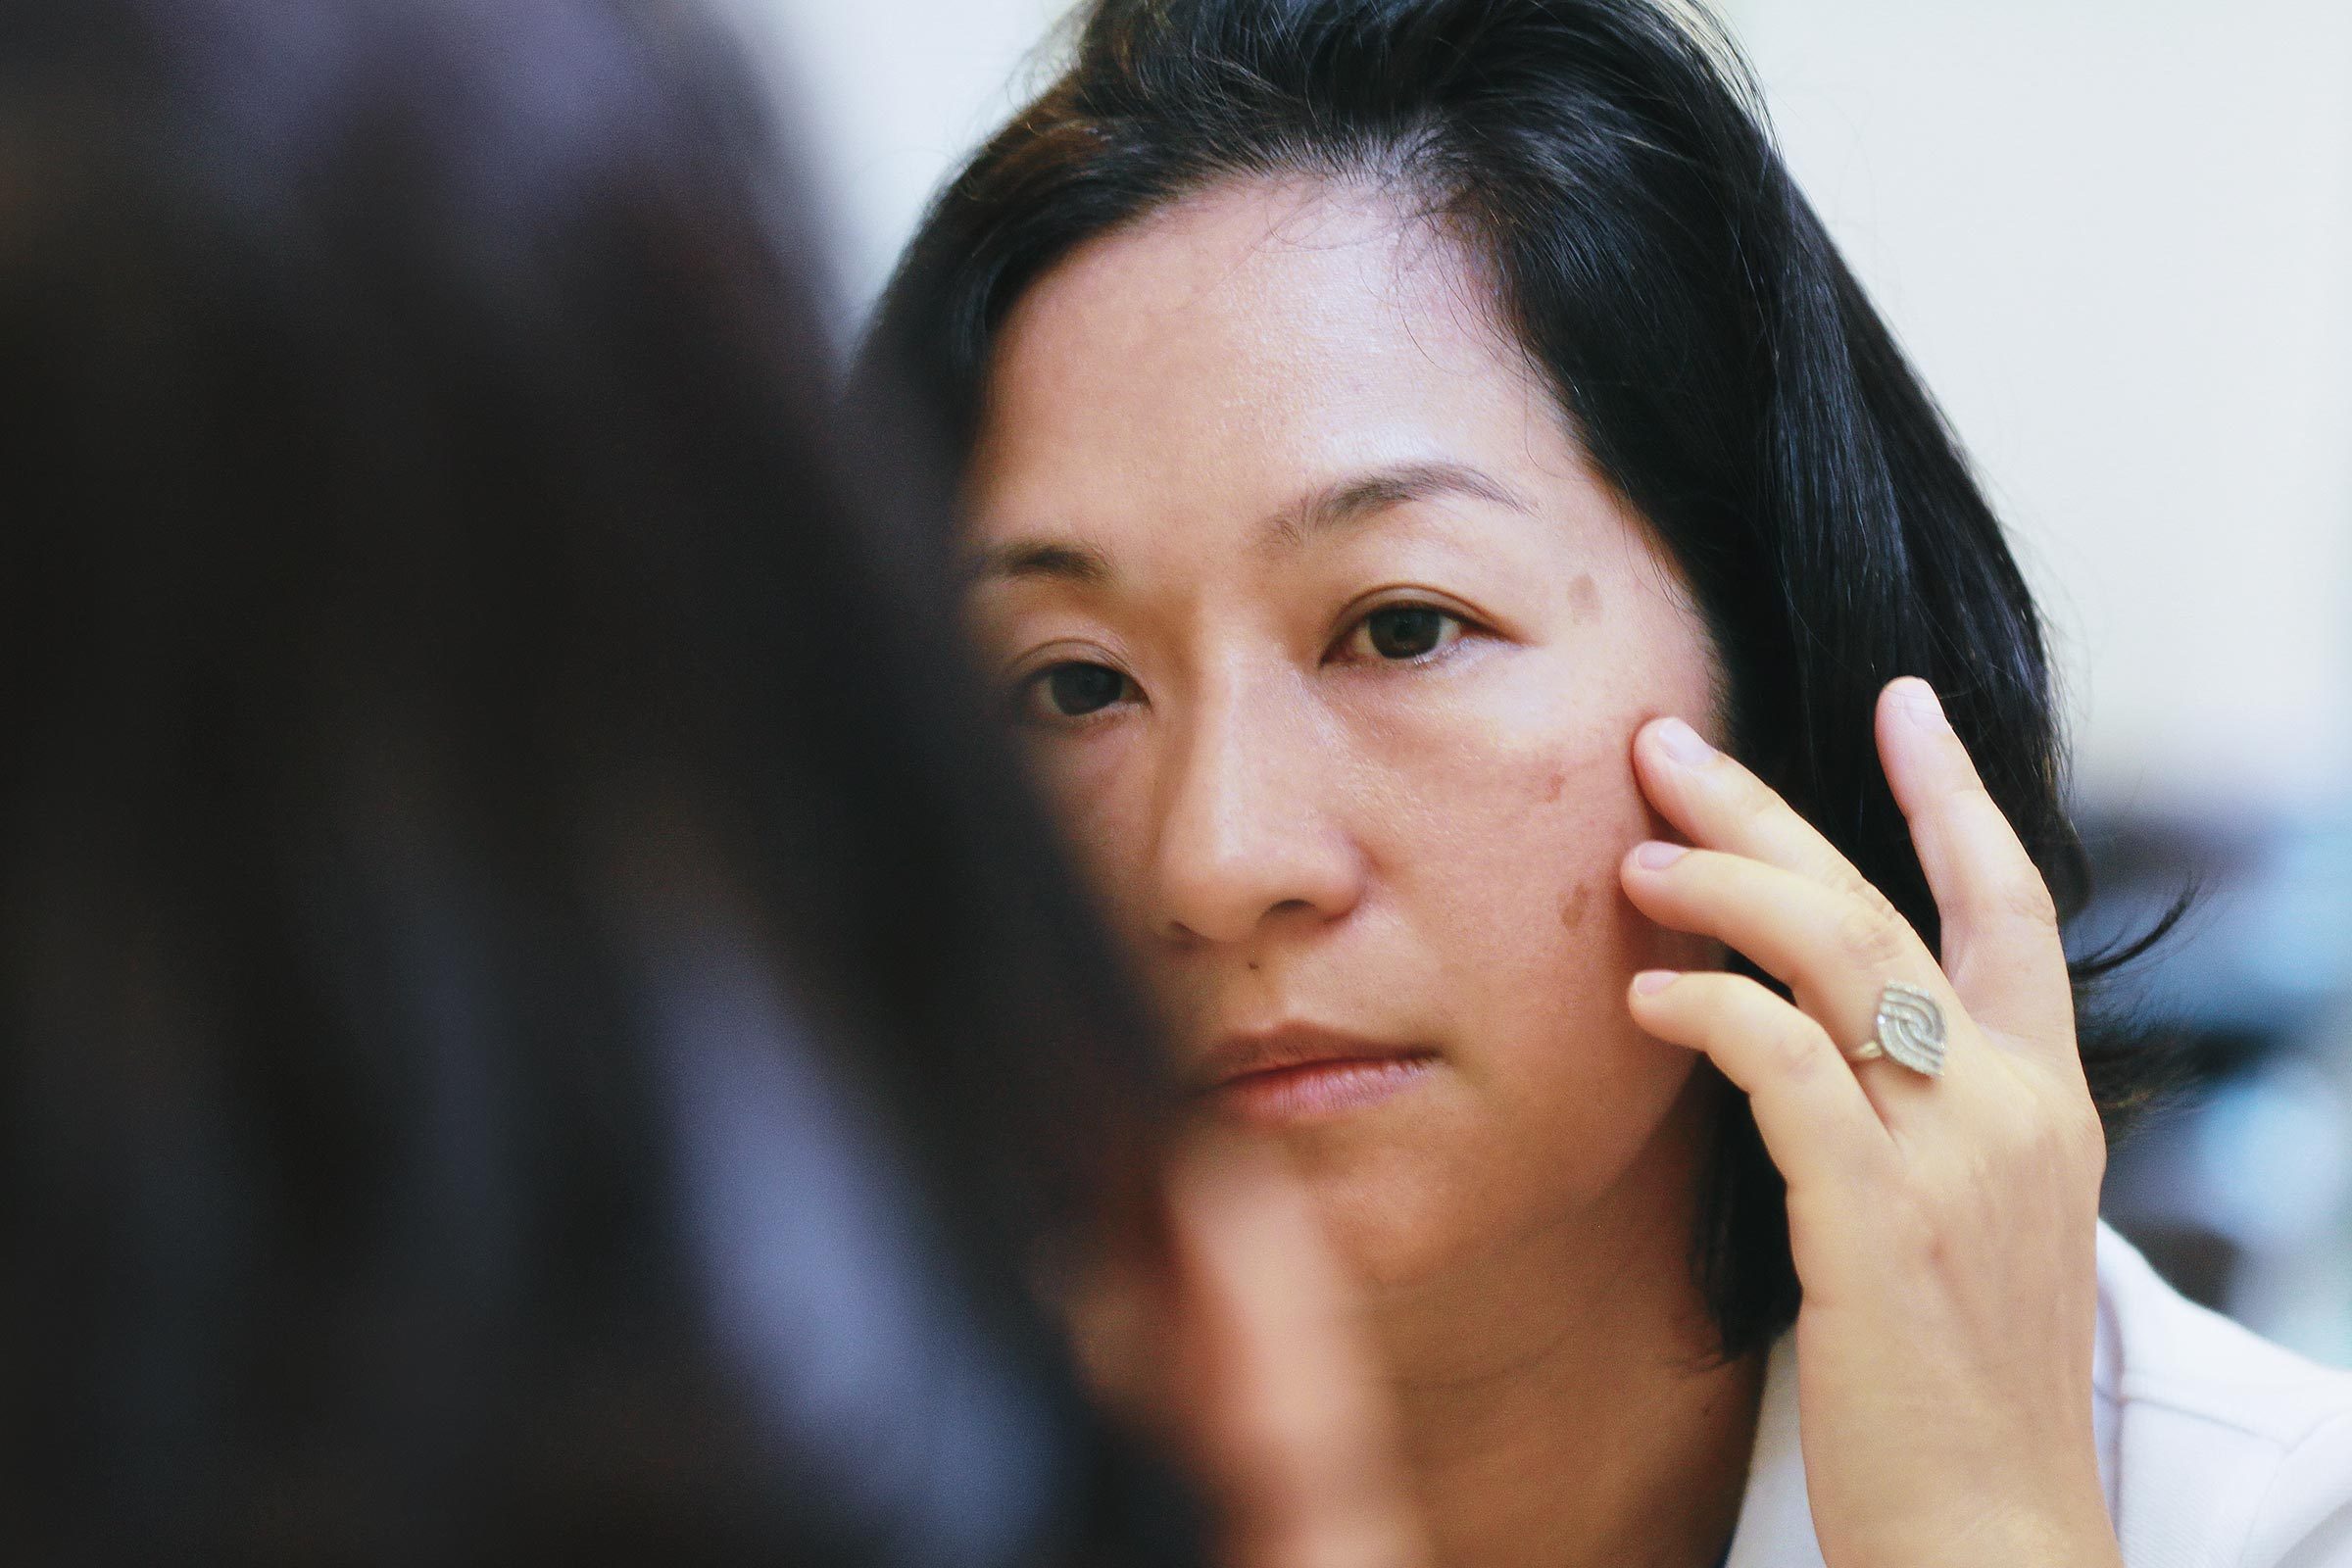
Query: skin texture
[[1496, 853], [1291, 829]]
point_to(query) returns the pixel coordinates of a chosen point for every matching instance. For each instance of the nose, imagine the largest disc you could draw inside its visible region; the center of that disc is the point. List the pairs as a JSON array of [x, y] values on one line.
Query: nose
[[1250, 829]]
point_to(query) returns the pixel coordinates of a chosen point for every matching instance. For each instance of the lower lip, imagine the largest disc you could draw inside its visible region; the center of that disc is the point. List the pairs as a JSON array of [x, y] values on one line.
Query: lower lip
[[1317, 1090]]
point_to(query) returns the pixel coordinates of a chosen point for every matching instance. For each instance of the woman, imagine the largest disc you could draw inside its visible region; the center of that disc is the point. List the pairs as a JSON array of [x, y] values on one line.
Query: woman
[[1450, 529], [508, 1052]]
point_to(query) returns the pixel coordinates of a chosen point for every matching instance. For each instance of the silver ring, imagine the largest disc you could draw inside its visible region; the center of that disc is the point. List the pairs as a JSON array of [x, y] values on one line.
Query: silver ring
[[1910, 1031]]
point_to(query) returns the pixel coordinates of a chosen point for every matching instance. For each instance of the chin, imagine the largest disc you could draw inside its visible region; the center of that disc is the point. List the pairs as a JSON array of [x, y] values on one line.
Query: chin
[[1432, 1185], [1400, 1197]]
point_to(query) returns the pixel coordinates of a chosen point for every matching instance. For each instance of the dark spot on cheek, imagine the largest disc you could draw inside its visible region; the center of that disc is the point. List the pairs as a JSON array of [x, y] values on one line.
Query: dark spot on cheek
[[1559, 782], [1583, 598], [1578, 906]]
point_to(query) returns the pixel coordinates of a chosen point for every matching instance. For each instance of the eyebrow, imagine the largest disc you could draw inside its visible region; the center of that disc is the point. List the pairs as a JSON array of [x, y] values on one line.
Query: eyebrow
[[1319, 511], [1037, 559], [1366, 495]]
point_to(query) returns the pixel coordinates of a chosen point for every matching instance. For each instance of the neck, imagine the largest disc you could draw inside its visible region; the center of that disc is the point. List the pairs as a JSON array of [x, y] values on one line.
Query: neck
[[1562, 1402]]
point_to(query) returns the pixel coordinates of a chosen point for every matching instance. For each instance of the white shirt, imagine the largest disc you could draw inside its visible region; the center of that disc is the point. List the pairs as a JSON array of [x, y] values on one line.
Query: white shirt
[[2219, 1449]]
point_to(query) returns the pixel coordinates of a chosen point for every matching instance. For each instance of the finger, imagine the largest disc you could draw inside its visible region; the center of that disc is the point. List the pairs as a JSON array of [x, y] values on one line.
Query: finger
[[1817, 1124], [1836, 951], [2001, 946], [1291, 1427], [1719, 804]]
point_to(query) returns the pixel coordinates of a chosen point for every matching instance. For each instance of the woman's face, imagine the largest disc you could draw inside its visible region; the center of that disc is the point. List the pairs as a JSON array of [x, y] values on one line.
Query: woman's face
[[1331, 645]]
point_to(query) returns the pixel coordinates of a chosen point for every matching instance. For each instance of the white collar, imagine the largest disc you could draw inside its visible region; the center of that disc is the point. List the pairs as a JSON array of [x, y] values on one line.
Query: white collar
[[1776, 1518]]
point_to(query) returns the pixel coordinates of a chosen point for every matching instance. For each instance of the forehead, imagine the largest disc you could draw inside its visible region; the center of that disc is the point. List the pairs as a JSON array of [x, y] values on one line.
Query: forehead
[[1261, 336]]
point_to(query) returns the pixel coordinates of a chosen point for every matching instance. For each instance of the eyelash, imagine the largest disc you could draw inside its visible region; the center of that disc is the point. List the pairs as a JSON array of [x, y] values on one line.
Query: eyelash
[[1030, 689]]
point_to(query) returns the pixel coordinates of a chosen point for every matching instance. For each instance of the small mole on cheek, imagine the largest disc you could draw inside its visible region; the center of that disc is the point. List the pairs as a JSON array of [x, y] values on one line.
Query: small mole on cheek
[[1583, 598], [1579, 905]]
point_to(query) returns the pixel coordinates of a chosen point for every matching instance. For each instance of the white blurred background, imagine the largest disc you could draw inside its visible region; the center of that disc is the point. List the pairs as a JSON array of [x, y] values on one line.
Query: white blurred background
[[2116, 236]]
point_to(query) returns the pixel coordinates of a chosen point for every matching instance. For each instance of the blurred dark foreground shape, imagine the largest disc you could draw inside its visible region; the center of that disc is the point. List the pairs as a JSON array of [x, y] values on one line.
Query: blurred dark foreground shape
[[535, 1024]]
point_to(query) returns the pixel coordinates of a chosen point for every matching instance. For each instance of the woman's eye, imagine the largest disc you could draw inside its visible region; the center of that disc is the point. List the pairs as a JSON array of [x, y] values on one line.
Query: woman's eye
[[1402, 632], [1073, 691]]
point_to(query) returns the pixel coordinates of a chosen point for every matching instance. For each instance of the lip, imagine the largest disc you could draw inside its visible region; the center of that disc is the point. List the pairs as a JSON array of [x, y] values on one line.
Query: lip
[[1306, 1073]]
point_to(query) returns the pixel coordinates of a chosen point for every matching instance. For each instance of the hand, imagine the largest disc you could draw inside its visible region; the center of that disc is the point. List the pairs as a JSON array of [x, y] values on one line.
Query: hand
[[1944, 1229], [1241, 1349]]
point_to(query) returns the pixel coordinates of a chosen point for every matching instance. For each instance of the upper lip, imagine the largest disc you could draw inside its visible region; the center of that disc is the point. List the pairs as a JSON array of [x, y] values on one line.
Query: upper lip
[[1239, 1054]]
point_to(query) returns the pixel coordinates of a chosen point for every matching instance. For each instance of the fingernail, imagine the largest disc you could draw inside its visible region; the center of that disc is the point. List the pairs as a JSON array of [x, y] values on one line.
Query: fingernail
[[1657, 855], [1682, 743], [1650, 982], [1917, 699]]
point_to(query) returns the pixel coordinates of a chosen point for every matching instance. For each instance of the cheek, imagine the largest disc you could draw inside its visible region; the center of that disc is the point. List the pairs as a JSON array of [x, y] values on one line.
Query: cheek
[[1503, 873], [1498, 824], [1505, 797], [1577, 1088], [1518, 852]]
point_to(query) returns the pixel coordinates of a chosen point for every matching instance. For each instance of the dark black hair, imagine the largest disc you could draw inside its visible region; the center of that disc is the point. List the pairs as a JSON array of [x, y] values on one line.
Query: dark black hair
[[1609, 163], [536, 1022]]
